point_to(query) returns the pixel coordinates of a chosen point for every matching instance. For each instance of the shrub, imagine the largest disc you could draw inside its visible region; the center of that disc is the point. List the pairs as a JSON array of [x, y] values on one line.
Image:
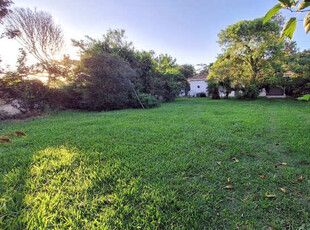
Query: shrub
[[4, 115], [304, 98], [32, 94], [201, 95], [147, 100], [104, 82], [68, 97], [213, 89], [250, 92]]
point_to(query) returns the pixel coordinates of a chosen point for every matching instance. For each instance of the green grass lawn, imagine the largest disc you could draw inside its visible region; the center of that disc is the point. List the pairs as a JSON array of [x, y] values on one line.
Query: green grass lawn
[[163, 168]]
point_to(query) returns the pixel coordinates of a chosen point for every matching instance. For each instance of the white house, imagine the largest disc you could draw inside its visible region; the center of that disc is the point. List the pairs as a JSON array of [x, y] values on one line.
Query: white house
[[199, 84]]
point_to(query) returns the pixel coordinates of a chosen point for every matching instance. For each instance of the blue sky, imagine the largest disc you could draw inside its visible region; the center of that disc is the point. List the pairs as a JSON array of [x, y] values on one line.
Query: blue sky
[[185, 29]]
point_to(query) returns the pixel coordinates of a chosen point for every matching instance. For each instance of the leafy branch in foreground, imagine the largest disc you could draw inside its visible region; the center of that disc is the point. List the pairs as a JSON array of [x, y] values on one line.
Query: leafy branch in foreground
[[295, 6]]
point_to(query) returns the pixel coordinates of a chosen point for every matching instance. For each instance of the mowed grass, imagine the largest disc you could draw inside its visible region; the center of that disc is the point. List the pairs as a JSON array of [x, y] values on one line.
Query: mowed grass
[[163, 168]]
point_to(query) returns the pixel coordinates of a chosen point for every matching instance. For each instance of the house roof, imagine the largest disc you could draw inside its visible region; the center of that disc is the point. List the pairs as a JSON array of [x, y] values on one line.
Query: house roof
[[288, 73], [199, 77]]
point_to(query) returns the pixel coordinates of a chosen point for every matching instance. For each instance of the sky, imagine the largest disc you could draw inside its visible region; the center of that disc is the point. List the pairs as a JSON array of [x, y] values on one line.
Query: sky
[[185, 29]]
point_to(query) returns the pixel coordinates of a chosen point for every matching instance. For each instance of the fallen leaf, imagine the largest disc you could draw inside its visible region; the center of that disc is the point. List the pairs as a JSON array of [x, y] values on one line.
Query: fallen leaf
[[283, 190], [219, 163], [300, 179], [235, 159], [283, 163], [304, 163], [18, 134], [5, 140], [267, 194], [228, 179], [229, 186], [263, 176]]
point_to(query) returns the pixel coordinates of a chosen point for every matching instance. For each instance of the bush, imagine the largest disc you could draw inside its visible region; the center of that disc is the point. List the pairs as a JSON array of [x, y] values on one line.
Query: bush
[[250, 92], [4, 115], [68, 97], [201, 95], [32, 94], [213, 89], [304, 98], [147, 100], [104, 82]]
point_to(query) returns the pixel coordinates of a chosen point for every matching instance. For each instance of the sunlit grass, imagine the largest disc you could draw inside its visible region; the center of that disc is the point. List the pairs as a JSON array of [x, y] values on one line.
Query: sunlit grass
[[159, 168]]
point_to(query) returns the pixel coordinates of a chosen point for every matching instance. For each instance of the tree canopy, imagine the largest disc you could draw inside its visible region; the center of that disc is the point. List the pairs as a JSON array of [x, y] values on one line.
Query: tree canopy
[[251, 55]]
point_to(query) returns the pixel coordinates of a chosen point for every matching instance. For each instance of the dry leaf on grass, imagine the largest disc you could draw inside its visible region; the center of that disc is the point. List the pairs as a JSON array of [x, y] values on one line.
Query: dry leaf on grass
[[219, 163], [228, 179], [5, 140], [17, 134], [283, 190], [282, 163], [300, 179], [235, 159], [229, 186], [267, 194], [263, 176]]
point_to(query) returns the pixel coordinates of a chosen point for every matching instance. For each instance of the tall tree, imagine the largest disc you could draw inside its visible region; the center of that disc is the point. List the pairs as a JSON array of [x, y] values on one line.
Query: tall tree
[[251, 55], [39, 35]]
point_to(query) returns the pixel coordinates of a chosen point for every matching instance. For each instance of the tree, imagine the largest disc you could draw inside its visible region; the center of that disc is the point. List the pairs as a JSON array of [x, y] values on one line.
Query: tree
[[204, 68], [114, 42], [294, 6], [187, 71], [169, 80], [104, 81], [38, 34], [299, 82], [160, 76], [251, 55], [223, 74], [4, 8]]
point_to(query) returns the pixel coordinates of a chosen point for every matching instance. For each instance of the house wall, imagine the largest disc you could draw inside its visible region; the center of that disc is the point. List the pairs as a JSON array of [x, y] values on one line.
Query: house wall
[[203, 85], [232, 94], [198, 86], [262, 93]]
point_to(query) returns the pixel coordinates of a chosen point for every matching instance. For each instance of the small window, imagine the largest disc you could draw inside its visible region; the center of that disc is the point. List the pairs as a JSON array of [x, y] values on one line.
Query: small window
[[198, 86]]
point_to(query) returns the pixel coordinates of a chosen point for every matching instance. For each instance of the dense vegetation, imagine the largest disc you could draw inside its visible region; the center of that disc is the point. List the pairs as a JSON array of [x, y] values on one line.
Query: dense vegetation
[[163, 168], [253, 59], [110, 75]]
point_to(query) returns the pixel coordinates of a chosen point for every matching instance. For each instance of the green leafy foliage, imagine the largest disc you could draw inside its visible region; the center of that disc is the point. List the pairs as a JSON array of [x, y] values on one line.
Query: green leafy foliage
[[158, 76], [288, 3], [105, 82], [304, 98], [251, 57], [147, 100], [290, 25], [303, 4], [289, 28], [272, 12], [307, 23], [299, 83]]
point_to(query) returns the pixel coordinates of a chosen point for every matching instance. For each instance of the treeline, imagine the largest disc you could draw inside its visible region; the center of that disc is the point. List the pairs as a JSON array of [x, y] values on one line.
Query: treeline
[[110, 73], [253, 59]]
